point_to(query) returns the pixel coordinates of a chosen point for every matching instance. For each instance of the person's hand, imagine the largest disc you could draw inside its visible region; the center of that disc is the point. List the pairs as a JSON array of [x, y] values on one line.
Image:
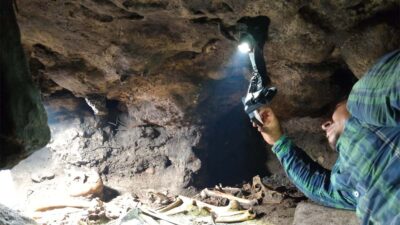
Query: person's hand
[[271, 129]]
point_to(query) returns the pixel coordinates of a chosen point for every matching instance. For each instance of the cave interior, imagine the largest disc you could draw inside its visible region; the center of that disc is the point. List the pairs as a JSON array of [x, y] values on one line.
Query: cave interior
[[114, 102]]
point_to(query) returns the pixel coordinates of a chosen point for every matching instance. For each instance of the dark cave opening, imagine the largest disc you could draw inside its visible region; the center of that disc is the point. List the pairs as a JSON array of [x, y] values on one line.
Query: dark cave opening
[[231, 150]]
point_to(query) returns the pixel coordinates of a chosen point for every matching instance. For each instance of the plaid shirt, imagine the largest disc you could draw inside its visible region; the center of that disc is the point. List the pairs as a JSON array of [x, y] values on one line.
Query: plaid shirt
[[366, 175]]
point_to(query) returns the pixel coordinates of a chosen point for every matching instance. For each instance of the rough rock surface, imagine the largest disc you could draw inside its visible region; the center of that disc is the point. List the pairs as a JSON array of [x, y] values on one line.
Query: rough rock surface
[[312, 214], [128, 50], [129, 154], [171, 70], [11, 217], [376, 40]]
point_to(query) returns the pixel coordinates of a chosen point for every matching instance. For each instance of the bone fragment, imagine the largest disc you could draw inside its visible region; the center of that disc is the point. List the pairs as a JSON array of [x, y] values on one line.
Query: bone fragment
[[174, 204], [245, 202], [232, 206], [231, 190], [88, 183], [56, 203], [266, 194], [240, 216]]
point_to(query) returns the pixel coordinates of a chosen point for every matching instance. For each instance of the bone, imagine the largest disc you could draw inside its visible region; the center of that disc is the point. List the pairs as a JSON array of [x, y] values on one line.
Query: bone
[[239, 216], [229, 213], [174, 204], [244, 202], [266, 194], [231, 190], [182, 204], [86, 183], [232, 206], [63, 202]]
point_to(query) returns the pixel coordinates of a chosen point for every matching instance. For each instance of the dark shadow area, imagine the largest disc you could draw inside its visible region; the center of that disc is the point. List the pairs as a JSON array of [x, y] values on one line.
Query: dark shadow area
[[344, 80], [231, 150], [63, 105], [109, 193], [235, 150], [23, 127], [390, 15]]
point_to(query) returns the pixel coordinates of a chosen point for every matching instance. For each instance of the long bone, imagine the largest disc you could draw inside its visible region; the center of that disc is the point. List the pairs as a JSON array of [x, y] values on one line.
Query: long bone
[[244, 202]]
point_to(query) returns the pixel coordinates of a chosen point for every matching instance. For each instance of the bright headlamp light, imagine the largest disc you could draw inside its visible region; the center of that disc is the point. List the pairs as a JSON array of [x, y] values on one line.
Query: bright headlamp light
[[244, 47]]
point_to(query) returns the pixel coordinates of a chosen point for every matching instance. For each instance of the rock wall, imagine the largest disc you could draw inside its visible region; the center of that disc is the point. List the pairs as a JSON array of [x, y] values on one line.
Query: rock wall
[[23, 126], [11, 217], [125, 50], [174, 68]]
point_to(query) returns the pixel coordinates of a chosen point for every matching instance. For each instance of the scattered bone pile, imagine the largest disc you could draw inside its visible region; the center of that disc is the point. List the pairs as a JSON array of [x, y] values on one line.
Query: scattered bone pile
[[86, 205]]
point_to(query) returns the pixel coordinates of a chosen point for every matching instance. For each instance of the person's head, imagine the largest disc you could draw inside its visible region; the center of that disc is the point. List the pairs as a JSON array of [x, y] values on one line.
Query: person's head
[[335, 126]]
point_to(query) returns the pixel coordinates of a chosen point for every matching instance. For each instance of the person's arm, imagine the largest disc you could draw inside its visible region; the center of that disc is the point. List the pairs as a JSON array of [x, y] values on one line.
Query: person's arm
[[311, 178]]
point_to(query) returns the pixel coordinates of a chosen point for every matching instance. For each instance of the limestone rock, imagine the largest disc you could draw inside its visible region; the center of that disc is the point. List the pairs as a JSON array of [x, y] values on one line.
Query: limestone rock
[[138, 52], [312, 214], [303, 89], [40, 177], [343, 15], [363, 48], [11, 217], [173, 69], [299, 41]]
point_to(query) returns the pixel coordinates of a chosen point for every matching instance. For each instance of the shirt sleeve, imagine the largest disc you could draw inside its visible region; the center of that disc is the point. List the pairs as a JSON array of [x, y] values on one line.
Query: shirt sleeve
[[310, 177]]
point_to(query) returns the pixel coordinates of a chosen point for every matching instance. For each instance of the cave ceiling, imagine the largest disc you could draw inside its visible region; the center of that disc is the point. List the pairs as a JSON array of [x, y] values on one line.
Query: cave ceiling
[[166, 52]]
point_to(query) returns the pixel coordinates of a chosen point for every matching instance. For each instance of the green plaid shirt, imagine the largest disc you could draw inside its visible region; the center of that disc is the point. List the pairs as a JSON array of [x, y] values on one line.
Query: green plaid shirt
[[366, 175]]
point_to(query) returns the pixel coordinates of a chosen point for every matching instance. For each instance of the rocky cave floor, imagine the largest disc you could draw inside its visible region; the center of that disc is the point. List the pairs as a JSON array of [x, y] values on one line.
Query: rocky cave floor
[[85, 175]]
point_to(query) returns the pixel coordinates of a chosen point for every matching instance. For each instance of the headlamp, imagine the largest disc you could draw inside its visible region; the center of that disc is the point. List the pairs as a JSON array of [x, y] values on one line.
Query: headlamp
[[257, 94], [244, 47]]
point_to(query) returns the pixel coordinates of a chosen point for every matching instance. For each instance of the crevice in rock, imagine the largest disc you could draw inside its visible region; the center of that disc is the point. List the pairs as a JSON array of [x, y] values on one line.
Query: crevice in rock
[[391, 16], [132, 16], [43, 52], [206, 20], [96, 16], [344, 79], [210, 45], [145, 5]]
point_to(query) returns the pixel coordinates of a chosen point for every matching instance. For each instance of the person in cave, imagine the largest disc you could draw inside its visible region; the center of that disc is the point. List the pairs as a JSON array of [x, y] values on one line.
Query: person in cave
[[365, 130]]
